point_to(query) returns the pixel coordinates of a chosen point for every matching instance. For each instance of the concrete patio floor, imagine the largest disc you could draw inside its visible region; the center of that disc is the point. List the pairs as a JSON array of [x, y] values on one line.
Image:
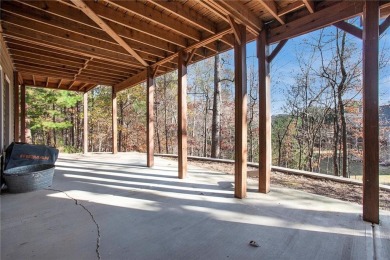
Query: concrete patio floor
[[114, 207]]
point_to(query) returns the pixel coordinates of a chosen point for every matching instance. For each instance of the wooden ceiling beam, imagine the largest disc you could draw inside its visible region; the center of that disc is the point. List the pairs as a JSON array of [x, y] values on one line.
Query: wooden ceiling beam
[[131, 81], [30, 83], [309, 5], [83, 67], [44, 66], [141, 10], [101, 68], [350, 28], [51, 59], [213, 10], [83, 7], [113, 78], [52, 42], [271, 7], [59, 83], [240, 13], [47, 82], [321, 18], [55, 74], [33, 78], [60, 35], [32, 48], [73, 19], [43, 72], [71, 84], [42, 58], [384, 25], [291, 8], [23, 9], [121, 23], [187, 14], [141, 76], [40, 16]]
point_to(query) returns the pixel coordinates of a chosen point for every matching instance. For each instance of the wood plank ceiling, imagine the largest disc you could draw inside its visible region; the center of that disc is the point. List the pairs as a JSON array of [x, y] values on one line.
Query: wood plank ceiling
[[76, 44]]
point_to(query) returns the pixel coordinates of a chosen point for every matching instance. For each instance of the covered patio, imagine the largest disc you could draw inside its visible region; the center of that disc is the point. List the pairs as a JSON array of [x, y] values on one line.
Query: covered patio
[[114, 207], [140, 207]]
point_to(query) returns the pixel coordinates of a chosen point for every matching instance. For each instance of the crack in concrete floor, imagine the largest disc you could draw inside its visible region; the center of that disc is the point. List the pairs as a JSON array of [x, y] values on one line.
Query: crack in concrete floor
[[92, 217]]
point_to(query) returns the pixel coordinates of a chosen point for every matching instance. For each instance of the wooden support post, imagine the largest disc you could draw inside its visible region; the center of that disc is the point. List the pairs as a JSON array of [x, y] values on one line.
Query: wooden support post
[[150, 117], [85, 108], [182, 115], [16, 106], [23, 113], [240, 167], [114, 122], [265, 152], [370, 112]]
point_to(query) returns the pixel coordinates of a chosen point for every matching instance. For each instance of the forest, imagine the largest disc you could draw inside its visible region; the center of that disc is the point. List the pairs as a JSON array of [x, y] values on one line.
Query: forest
[[316, 113]]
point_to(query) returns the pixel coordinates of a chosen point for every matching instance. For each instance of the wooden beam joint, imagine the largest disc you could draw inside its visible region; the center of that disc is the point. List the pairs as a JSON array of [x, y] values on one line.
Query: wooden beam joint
[[235, 29], [277, 49], [350, 28], [385, 24]]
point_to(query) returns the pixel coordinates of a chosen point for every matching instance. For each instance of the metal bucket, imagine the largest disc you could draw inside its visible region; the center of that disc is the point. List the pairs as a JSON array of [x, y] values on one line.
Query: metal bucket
[[29, 178]]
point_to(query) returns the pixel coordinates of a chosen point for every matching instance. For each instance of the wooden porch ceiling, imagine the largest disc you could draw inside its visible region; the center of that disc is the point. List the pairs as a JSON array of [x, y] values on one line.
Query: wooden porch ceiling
[[76, 44]]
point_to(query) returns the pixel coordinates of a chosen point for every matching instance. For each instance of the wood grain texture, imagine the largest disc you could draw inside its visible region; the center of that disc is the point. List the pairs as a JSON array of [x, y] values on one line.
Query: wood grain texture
[[85, 137], [370, 112], [16, 107], [241, 150], [150, 117], [114, 122], [23, 113], [265, 152], [182, 115]]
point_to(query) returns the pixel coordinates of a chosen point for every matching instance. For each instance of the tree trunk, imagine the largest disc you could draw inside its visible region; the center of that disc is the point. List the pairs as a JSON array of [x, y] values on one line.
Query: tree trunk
[[120, 131], [205, 128], [165, 114]]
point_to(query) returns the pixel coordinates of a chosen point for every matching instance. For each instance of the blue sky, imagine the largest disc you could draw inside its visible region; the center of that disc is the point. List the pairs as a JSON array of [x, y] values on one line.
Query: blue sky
[[285, 65]]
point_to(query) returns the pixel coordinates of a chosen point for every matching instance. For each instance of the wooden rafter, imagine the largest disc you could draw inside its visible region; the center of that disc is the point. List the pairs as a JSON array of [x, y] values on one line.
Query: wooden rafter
[[47, 82], [271, 7], [309, 5], [33, 79], [71, 18], [185, 13], [83, 86], [141, 10], [59, 83], [141, 76], [83, 7], [82, 68], [325, 17], [51, 42], [71, 84], [291, 8], [239, 12]]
